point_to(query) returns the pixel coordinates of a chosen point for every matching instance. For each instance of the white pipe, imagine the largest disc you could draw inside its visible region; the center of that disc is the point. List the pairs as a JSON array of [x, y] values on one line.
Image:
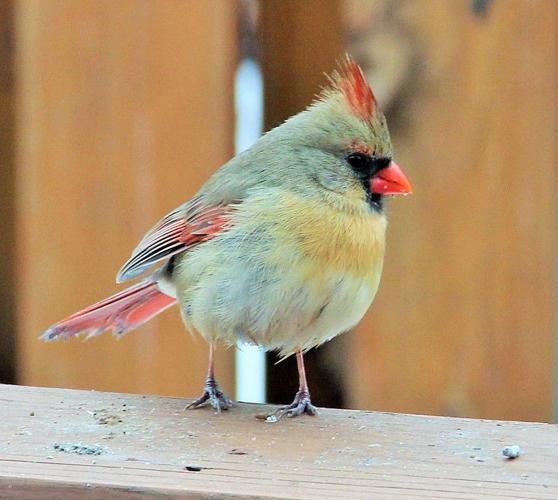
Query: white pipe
[[250, 363]]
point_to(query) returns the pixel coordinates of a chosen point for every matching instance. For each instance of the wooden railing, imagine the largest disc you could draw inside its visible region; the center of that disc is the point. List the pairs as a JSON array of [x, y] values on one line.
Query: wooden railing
[[58, 443]]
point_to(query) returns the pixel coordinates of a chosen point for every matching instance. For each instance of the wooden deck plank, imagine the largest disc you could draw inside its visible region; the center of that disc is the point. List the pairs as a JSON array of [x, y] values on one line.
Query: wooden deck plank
[[150, 446]]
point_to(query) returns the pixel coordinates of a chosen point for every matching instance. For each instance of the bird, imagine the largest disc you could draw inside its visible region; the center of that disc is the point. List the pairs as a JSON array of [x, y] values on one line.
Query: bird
[[282, 247]]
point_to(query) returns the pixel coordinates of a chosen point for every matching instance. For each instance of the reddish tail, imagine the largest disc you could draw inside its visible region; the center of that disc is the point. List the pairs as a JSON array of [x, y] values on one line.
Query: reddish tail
[[120, 313]]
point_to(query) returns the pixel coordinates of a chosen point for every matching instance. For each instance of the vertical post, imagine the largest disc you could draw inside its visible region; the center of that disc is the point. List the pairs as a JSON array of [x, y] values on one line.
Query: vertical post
[[8, 261]]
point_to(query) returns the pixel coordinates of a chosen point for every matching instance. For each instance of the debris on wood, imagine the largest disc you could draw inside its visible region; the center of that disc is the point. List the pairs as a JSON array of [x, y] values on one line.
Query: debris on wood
[[79, 449], [104, 418], [511, 451], [193, 468]]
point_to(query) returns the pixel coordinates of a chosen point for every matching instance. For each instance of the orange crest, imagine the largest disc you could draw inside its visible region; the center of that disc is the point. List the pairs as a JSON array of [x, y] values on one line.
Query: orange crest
[[352, 83]]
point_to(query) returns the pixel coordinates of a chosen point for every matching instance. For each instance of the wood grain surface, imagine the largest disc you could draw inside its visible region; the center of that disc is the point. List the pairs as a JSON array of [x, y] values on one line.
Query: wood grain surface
[[150, 446]]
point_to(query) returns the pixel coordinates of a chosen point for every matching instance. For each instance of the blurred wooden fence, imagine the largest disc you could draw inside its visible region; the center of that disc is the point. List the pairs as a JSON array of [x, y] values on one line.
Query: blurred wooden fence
[[125, 108], [465, 322]]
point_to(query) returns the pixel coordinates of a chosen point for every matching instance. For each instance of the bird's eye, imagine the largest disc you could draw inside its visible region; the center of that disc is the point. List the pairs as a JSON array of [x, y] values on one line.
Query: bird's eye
[[359, 162]]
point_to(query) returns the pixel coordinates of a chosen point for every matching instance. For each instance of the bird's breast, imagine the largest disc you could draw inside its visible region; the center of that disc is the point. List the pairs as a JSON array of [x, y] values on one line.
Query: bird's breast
[[348, 243]]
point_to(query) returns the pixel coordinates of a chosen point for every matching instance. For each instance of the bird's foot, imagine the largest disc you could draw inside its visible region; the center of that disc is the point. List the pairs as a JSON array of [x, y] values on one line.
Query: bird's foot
[[301, 404], [212, 395]]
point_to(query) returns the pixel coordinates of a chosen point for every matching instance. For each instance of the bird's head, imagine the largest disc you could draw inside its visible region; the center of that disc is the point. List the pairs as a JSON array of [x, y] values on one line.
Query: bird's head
[[342, 141]]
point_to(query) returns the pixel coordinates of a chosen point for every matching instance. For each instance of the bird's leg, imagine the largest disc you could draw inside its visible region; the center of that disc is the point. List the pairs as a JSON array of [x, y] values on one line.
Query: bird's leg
[[212, 394], [301, 403]]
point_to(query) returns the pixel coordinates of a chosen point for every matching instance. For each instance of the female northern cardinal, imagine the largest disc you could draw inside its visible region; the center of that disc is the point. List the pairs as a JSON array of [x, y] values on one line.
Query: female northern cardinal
[[283, 246]]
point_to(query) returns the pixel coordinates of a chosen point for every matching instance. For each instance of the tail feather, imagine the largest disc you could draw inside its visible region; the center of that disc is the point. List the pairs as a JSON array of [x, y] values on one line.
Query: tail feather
[[120, 313]]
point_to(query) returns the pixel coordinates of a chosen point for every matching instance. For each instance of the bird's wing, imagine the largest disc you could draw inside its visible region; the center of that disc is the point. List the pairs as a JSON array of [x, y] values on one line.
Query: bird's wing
[[176, 232]]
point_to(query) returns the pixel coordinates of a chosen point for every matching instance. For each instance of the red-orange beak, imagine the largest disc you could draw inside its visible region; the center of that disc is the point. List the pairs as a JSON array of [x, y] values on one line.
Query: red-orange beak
[[390, 180]]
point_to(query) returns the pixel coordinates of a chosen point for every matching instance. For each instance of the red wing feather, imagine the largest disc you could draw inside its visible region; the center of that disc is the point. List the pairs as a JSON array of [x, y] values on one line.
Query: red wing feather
[[175, 233]]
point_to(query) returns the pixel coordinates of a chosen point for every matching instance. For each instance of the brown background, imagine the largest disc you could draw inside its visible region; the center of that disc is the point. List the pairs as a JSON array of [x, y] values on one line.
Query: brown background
[[120, 120], [115, 112]]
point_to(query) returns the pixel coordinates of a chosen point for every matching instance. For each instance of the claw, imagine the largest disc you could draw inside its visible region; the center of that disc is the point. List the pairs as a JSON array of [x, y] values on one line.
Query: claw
[[213, 395], [301, 404]]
